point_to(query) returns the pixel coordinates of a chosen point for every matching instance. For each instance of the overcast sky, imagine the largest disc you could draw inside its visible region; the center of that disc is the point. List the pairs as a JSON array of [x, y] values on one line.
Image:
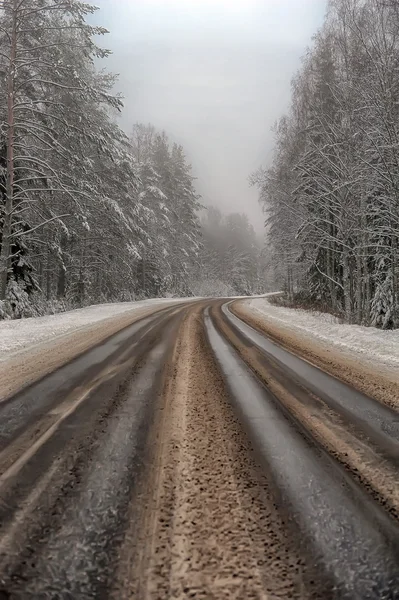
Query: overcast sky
[[215, 75]]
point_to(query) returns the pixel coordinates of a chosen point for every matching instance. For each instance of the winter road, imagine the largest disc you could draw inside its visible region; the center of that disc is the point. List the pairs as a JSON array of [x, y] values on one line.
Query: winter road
[[189, 456]]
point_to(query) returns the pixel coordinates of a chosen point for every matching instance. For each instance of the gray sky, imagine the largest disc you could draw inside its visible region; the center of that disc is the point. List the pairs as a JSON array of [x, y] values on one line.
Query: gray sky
[[215, 75]]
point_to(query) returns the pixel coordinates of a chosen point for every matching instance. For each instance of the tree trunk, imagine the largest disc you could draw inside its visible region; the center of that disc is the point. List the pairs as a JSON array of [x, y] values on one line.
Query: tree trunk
[[61, 277], [395, 308], [82, 271], [367, 295], [61, 280], [143, 273], [366, 275], [48, 266], [98, 282], [331, 264], [347, 285], [40, 274], [48, 277], [363, 266], [7, 227], [331, 274], [359, 289]]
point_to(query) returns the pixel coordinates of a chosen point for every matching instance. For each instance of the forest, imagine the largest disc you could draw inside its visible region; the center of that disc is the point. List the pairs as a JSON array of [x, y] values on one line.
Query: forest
[[90, 213], [331, 195]]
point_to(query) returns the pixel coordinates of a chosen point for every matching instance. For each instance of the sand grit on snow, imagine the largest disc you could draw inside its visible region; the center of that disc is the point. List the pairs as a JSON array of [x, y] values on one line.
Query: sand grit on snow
[[16, 335], [373, 345]]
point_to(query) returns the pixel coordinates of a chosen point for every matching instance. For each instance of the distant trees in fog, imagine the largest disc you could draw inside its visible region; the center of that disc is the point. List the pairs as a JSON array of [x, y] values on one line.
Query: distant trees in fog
[[87, 213], [232, 258]]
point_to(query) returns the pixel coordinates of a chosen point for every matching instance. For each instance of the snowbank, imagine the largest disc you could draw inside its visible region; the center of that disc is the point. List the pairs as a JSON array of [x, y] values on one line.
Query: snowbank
[[369, 343], [16, 335]]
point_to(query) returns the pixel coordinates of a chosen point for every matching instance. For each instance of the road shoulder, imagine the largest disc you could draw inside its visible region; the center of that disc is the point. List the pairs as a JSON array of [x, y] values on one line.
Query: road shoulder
[[35, 361], [379, 383]]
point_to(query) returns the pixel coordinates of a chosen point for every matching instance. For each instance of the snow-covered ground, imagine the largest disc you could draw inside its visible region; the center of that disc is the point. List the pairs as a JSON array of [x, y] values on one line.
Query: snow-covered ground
[[19, 334], [371, 344]]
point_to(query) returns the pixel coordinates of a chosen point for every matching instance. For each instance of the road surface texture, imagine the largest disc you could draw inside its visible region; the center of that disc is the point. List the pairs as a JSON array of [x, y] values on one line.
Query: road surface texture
[[187, 455]]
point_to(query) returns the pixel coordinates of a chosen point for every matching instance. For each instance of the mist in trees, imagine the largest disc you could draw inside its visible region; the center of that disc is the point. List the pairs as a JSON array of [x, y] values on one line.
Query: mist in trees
[[332, 194], [168, 243], [89, 213], [232, 256]]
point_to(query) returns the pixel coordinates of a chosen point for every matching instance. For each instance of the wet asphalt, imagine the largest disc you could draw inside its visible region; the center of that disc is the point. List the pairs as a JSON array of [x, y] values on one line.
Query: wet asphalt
[[75, 448]]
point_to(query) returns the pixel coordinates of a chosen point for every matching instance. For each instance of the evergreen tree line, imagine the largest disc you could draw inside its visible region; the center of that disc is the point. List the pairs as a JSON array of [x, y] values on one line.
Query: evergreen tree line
[[87, 213], [332, 193]]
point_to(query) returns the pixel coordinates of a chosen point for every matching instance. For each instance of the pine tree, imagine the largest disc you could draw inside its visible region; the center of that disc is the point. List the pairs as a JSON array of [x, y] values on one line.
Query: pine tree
[[47, 54]]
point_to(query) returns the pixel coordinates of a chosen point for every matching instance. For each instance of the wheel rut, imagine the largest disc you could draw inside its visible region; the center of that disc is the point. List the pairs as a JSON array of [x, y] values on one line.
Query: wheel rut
[[132, 474], [212, 529]]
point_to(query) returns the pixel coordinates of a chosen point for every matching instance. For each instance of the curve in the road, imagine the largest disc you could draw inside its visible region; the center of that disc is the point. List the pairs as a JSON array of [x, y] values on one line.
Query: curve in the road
[[379, 420], [354, 541], [124, 426]]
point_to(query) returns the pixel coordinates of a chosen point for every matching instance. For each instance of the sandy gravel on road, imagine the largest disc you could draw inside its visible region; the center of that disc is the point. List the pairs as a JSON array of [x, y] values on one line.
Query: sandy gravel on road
[[381, 385], [33, 363], [334, 433], [211, 530]]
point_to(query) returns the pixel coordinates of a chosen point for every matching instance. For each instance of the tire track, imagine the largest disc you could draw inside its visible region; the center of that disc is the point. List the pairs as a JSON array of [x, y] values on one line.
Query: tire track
[[352, 540], [64, 511], [366, 461], [213, 531], [139, 482]]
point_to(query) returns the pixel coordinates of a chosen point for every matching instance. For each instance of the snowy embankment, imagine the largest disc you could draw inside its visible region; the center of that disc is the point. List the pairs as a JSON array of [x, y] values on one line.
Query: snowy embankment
[[16, 335], [32, 348], [367, 344]]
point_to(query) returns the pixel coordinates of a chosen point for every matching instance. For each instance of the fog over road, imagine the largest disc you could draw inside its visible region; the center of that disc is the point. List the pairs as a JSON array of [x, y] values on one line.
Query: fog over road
[[191, 456]]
